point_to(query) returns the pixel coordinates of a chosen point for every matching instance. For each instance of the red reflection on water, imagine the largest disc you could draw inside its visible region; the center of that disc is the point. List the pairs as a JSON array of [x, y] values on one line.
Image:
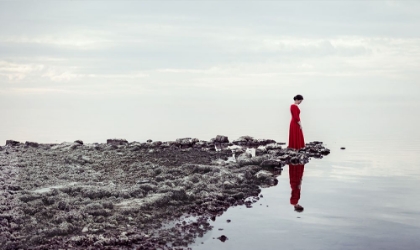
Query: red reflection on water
[[295, 175]]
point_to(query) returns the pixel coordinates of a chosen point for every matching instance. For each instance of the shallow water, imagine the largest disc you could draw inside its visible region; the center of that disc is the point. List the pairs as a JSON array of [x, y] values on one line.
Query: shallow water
[[363, 197]]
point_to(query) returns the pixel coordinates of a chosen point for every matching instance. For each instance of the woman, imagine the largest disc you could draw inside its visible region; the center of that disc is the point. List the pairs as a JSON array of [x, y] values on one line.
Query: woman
[[296, 140]]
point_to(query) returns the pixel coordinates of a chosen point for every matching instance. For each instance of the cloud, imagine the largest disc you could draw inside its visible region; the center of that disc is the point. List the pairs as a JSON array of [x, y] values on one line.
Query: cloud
[[82, 40], [278, 60], [201, 45], [18, 71], [57, 75]]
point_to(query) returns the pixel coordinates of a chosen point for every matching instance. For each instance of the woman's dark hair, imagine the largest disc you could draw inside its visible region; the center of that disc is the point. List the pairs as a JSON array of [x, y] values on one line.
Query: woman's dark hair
[[298, 97]]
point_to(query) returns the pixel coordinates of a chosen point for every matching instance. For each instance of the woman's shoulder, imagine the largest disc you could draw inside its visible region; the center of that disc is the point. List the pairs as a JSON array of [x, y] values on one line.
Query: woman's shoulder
[[294, 107]]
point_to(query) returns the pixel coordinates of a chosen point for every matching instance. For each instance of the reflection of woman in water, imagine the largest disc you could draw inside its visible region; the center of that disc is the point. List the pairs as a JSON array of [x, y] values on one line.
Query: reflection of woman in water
[[295, 175], [296, 140]]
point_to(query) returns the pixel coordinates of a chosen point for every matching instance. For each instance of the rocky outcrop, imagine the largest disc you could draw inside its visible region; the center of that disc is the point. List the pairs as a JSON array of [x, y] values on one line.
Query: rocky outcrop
[[117, 194]]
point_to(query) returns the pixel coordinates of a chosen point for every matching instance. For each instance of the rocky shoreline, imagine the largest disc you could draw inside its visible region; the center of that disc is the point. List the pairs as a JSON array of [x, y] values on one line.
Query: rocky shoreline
[[121, 195]]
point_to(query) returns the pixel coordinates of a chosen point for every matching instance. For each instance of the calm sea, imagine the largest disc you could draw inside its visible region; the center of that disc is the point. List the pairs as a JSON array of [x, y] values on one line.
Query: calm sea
[[363, 197]]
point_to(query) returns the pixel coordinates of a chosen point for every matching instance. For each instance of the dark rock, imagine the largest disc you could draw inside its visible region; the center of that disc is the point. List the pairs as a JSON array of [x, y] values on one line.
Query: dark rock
[[223, 238], [75, 145], [284, 157], [201, 143], [221, 139], [263, 142], [135, 148], [48, 200], [62, 205], [12, 143], [186, 142], [243, 140], [198, 145], [325, 151], [116, 142], [271, 163], [276, 146], [31, 144], [79, 142], [243, 160], [14, 187], [272, 181], [316, 143], [171, 144], [149, 141], [156, 143], [263, 174], [342, 148], [179, 194], [294, 160], [312, 150]]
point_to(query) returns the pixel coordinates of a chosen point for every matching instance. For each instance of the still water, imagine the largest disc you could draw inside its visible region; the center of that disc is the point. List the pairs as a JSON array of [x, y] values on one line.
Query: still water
[[363, 197]]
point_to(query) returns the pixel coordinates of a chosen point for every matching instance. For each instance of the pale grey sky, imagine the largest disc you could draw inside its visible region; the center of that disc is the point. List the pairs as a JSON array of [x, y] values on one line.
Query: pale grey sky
[[94, 60]]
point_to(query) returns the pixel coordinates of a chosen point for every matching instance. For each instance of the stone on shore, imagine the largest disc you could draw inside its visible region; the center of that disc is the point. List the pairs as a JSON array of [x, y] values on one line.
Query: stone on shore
[[186, 142], [31, 144], [221, 139], [250, 141], [263, 174], [272, 163], [79, 142], [12, 143], [117, 142]]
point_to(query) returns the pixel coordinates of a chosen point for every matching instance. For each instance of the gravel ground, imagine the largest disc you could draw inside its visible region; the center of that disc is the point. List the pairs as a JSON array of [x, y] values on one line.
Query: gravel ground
[[120, 195]]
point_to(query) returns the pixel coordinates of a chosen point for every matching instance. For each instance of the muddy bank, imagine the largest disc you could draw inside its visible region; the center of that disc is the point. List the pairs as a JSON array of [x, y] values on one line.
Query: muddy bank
[[121, 195]]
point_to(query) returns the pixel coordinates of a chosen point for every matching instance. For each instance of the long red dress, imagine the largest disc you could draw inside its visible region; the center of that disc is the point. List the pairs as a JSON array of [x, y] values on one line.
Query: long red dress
[[296, 140], [295, 175]]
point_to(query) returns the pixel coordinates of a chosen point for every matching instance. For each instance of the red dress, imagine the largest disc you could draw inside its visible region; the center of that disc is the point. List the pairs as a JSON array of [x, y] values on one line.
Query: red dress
[[296, 140], [295, 175]]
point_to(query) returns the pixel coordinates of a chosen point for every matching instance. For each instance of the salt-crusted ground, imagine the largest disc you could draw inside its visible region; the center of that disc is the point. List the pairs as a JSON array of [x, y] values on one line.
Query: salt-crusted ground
[[122, 195]]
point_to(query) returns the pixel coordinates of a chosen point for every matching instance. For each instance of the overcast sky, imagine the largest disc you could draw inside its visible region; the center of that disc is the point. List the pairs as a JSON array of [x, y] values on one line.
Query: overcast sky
[[201, 53]]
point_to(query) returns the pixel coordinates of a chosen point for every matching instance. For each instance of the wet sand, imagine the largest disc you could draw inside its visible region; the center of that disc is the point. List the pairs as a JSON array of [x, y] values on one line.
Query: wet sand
[[120, 195]]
